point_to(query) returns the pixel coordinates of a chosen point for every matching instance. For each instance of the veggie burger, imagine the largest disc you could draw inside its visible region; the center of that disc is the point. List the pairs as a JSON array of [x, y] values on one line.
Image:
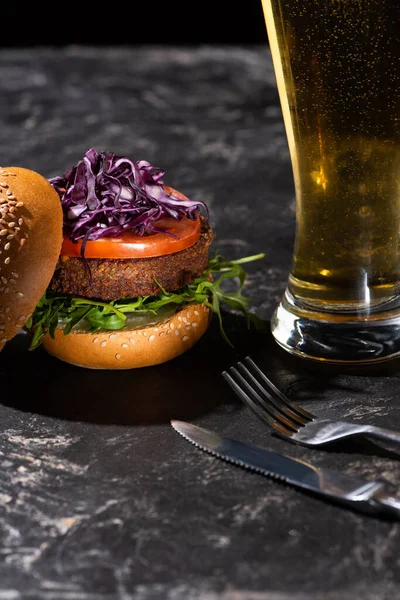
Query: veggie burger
[[106, 266]]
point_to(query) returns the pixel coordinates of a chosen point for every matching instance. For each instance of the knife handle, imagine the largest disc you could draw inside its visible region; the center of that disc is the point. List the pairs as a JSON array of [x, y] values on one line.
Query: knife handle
[[386, 503], [369, 497]]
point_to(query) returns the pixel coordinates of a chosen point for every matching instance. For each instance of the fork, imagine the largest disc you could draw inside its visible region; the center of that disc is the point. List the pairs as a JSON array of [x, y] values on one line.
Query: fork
[[290, 421]]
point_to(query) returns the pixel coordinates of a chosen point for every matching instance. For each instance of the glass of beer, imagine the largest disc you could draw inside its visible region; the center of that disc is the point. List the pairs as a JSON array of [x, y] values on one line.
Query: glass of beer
[[337, 67]]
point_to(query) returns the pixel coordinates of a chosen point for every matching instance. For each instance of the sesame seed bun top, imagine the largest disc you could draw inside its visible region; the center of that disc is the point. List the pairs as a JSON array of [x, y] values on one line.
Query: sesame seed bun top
[[30, 241]]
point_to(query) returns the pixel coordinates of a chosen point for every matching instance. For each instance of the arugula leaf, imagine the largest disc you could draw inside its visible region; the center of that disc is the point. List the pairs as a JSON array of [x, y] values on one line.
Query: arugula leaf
[[69, 311]]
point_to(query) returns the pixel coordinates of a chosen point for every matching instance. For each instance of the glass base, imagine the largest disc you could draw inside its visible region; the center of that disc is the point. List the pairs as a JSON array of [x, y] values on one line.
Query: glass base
[[337, 337]]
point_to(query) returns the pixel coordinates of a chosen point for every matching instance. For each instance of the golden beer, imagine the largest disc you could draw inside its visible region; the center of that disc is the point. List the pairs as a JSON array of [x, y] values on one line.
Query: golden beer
[[337, 66]]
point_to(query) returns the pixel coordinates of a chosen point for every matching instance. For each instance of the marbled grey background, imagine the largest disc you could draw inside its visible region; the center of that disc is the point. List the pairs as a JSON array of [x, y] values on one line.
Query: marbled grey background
[[99, 497]]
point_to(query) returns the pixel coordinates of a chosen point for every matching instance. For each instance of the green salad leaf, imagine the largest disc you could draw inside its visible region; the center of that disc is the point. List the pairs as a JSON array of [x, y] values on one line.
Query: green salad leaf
[[208, 289]]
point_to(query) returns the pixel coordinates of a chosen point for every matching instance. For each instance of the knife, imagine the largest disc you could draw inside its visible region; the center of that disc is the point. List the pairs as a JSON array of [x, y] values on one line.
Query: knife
[[366, 496]]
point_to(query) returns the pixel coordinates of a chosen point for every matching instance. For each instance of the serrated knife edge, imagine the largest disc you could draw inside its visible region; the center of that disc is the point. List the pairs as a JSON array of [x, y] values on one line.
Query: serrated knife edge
[[177, 426], [365, 496]]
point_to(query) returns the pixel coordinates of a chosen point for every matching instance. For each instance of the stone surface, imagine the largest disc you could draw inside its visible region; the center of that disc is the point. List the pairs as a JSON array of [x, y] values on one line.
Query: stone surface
[[99, 497]]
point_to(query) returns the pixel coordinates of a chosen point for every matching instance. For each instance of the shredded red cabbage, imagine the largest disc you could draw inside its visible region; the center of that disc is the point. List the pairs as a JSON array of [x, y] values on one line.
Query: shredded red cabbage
[[105, 195]]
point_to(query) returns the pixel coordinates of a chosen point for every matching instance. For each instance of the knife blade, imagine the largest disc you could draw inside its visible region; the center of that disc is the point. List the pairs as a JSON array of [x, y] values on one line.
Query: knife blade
[[369, 497]]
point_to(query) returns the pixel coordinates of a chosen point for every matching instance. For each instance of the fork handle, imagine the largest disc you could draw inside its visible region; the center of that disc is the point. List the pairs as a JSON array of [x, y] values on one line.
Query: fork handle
[[381, 433]]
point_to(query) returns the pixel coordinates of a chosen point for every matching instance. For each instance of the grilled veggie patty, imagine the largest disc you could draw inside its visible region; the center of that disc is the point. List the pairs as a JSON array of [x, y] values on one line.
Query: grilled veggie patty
[[111, 279]]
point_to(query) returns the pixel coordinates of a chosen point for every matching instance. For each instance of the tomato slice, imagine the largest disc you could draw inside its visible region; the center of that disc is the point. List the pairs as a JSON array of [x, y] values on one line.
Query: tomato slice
[[185, 233]]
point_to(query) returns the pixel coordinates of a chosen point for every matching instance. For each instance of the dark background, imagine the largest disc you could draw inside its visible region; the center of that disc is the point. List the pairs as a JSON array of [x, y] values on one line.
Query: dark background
[[137, 22]]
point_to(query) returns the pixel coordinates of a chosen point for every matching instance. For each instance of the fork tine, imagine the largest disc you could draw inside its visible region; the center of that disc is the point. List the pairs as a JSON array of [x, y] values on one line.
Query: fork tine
[[298, 410], [253, 400], [253, 406], [271, 401], [246, 398]]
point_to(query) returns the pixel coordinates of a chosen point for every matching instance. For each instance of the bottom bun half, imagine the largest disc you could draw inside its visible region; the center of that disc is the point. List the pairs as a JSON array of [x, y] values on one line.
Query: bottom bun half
[[130, 349]]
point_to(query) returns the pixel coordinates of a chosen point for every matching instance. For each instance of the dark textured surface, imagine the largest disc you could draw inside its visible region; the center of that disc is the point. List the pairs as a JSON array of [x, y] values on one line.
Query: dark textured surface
[[99, 496]]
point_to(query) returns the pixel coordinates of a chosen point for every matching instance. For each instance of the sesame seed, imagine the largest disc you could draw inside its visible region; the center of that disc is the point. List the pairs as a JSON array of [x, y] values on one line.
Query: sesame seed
[[161, 333], [7, 260], [151, 338], [196, 312], [4, 280], [185, 338], [132, 341], [112, 336], [145, 333], [7, 246], [187, 326], [124, 345], [194, 324], [176, 332], [3, 231], [7, 309], [95, 340], [117, 356], [103, 344], [171, 325], [19, 294]]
